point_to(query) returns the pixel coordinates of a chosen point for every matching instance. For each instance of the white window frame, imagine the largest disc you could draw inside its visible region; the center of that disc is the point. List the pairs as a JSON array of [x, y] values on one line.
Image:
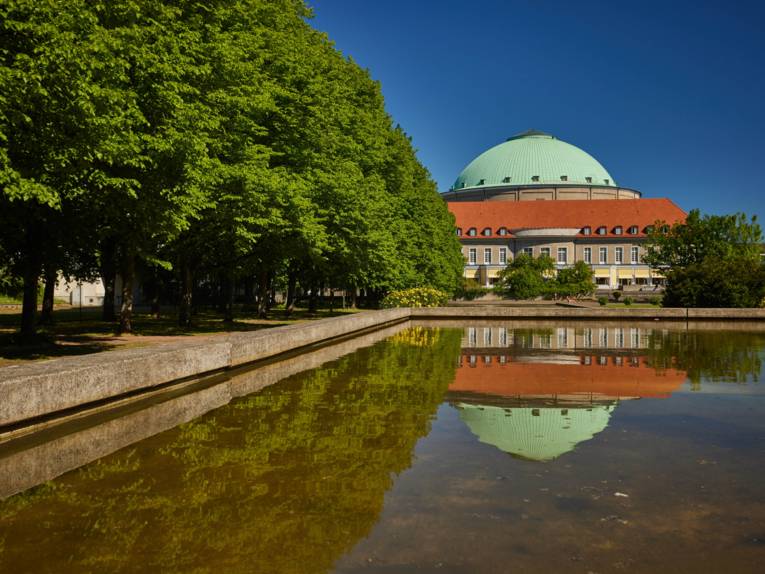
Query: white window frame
[[528, 251], [619, 255], [544, 251], [588, 254], [472, 256], [487, 255], [603, 255], [564, 251], [503, 255], [634, 254]]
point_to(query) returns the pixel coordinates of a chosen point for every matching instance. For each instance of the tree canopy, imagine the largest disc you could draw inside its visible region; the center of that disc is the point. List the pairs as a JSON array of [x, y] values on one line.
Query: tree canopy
[[709, 260], [526, 277], [218, 142]]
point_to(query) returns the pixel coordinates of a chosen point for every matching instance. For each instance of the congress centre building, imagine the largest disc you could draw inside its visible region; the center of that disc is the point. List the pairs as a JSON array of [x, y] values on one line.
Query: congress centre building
[[539, 195]]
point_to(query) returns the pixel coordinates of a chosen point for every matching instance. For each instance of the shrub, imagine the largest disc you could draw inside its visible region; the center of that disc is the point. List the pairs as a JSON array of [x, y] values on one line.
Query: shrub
[[415, 297], [602, 301], [616, 295], [470, 290], [628, 300], [655, 300]]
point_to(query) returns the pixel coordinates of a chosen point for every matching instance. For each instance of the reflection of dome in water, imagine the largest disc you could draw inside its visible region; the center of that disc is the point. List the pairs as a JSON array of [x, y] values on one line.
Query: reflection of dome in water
[[535, 433]]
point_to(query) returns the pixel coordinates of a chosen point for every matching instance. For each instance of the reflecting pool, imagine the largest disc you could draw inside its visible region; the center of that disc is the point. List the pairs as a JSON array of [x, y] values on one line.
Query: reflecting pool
[[444, 447]]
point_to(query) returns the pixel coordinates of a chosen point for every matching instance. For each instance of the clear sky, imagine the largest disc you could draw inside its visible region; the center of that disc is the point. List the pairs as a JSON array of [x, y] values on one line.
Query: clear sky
[[669, 96]]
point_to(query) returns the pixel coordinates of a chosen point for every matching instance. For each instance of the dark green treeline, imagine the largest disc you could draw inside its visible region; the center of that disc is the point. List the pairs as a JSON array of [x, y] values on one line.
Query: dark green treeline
[[286, 480], [216, 142]]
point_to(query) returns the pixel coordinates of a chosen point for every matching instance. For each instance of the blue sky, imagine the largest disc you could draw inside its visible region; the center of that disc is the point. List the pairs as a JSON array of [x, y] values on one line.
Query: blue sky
[[669, 96]]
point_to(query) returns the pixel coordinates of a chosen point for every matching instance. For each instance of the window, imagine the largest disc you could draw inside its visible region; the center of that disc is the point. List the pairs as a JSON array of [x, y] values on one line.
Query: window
[[603, 255], [633, 230], [619, 255], [648, 228], [562, 254], [472, 256], [618, 230], [459, 232], [606, 181], [486, 231], [506, 179], [472, 232], [481, 181], [587, 230], [487, 256], [588, 254], [634, 254], [502, 231], [602, 230], [528, 251], [564, 178], [503, 255], [544, 251], [588, 179], [534, 178]]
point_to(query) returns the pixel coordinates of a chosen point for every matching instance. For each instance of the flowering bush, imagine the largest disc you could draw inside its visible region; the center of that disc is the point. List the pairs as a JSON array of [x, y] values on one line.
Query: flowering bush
[[416, 297]]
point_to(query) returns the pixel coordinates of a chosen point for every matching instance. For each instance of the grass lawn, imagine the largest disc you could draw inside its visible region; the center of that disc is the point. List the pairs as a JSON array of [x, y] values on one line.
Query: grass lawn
[[76, 332]]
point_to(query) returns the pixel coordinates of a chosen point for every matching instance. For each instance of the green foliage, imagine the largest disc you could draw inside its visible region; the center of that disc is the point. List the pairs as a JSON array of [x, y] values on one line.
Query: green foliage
[[575, 281], [526, 277], [616, 295], [416, 297], [709, 261], [602, 301], [654, 300], [470, 290], [628, 301]]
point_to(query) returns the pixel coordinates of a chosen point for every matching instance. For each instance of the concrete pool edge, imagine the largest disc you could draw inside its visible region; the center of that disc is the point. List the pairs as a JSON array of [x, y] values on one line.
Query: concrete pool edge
[[28, 392]]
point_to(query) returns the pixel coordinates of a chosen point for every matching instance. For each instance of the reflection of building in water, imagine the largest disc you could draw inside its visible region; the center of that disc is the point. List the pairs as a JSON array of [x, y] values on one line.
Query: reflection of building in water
[[535, 433], [568, 338], [537, 394]]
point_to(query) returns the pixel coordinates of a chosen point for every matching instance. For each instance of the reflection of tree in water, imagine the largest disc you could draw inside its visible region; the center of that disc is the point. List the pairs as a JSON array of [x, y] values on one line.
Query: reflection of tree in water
[[285, 480], [713, 356]]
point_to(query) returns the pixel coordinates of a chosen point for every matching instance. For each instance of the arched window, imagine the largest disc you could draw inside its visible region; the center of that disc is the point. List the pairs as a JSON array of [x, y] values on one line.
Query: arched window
[[486, 231], [472, 232]]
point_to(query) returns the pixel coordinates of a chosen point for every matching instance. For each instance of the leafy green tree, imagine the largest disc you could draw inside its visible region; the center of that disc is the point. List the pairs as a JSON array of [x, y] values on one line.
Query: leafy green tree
[[709, 261], [527, 277], [575, 281]]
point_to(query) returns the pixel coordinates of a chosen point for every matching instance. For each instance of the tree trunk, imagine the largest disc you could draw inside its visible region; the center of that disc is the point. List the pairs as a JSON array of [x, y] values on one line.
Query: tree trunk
[[108, 277], [46, 317], [354, 300], [128, 276], [228, 299], [289, 304], [187, 290], [263, 294], [32, 269]]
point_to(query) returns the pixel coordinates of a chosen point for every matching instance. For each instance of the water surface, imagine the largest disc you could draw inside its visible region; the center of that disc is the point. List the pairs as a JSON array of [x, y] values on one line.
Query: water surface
[[485, 448]]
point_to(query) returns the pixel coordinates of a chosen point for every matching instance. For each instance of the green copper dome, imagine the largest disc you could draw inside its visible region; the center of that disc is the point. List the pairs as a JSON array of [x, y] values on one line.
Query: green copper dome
[[539, 434], [533, 158]]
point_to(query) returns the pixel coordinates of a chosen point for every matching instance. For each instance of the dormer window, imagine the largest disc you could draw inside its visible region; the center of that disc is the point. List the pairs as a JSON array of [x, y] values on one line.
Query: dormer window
[[564, 178], [602, 230], [534, 178], [607, 181], [472, 232], [502, 231], [506, 179], [648, 228], [486, 231], [633, 230], [481, 181], [587, 230], [588, 179], [618, 230], [459, 232]]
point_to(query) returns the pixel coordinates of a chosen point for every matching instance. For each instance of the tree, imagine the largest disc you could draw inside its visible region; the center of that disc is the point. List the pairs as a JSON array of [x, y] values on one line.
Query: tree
[[576, 281], [709, 261], [526, 277]]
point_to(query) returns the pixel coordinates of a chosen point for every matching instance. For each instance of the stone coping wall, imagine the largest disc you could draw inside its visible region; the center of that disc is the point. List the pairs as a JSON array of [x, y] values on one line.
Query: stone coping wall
[[38, 389]]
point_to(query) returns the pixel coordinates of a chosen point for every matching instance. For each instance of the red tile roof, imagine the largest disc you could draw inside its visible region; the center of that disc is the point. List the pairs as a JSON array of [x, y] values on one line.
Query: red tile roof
[[516, 215]]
